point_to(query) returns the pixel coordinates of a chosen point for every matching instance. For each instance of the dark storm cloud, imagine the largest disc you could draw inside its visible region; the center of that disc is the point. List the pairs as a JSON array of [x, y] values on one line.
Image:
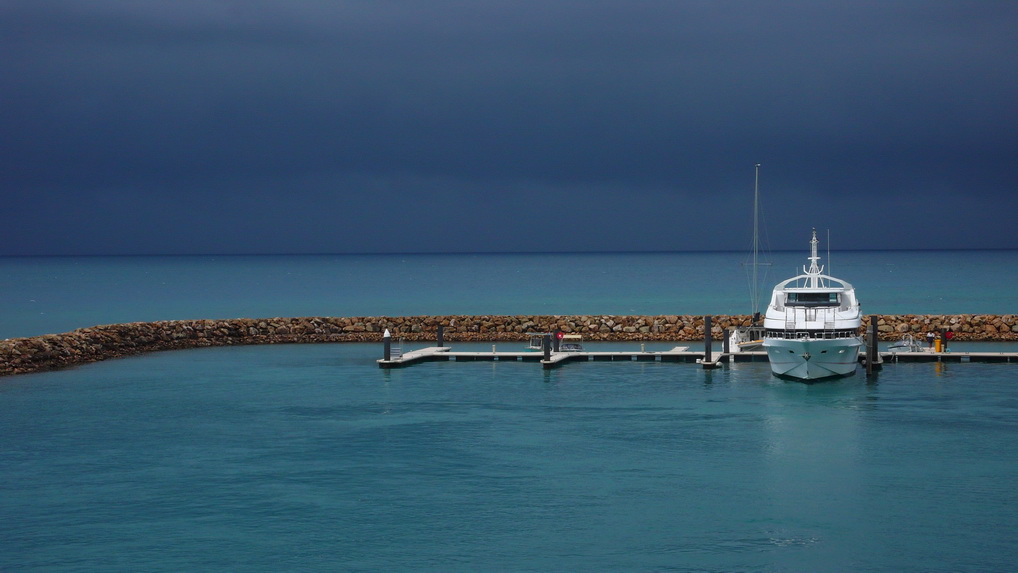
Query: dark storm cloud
[[295, 126]]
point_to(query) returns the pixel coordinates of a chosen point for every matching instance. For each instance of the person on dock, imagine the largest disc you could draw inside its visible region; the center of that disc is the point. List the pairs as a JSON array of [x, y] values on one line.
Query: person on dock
[[929, 339]]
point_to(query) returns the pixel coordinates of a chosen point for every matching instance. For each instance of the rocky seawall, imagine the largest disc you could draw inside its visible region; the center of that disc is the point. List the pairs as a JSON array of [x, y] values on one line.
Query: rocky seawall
[[23, 355]]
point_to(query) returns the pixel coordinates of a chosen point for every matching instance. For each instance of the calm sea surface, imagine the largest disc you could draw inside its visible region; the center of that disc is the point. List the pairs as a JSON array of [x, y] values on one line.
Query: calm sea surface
[[55, 294], [309, 457]]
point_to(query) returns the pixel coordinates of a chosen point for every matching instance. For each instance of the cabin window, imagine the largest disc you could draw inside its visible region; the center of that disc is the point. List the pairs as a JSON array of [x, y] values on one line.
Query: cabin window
[[812, 299]]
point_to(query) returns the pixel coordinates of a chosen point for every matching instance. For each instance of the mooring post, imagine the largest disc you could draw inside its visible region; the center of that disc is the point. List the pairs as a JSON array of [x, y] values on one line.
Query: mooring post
[[441, 336], [546, 346], [557, 340], [386, 345], [706, 341], [725, 343], [869, 356], [871, 346]]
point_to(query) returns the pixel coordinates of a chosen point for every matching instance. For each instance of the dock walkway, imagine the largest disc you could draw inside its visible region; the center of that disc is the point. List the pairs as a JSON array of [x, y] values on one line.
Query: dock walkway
[[890, 357], [555, 359], [680, 354]]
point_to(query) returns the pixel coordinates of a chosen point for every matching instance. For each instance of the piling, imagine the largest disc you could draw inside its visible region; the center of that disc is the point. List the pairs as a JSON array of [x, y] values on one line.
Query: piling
[[708, 357], [386, 345], [706, 337], [871, 347], [441, 336], [546, 346]]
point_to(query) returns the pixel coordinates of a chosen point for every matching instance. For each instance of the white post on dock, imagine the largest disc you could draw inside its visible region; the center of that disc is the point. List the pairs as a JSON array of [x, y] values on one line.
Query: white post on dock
[[386, 345]]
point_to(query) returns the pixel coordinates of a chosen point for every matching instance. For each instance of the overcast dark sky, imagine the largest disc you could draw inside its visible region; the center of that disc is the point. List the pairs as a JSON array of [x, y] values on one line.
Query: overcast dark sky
[[304, 126]]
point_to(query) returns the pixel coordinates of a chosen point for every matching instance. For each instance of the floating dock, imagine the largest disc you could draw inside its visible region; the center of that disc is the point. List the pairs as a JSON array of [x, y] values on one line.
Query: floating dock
[[949, 357], [555, 359], [551, 356], [680, 354]]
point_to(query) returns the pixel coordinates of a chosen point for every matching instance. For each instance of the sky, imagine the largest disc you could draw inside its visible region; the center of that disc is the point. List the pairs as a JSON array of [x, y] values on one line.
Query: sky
[[336, 126]]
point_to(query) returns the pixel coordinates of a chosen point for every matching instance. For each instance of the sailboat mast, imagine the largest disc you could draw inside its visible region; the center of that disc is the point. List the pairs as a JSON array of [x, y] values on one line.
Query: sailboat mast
[[754, 289]]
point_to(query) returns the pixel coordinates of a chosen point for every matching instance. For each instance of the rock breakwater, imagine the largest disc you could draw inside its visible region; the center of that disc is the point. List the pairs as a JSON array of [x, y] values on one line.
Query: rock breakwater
[[23, 355]]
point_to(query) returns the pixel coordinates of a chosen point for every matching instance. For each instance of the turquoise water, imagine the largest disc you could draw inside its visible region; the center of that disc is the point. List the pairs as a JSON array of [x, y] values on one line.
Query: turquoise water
[[309, 457], [40, 295]]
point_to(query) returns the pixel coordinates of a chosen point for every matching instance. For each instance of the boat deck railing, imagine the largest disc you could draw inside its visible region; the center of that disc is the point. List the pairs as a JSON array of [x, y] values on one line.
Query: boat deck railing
[[825, 334]]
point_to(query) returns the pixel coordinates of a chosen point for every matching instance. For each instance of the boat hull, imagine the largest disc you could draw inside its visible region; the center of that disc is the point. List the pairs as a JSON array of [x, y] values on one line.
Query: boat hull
[[813, 358], [746, 339]]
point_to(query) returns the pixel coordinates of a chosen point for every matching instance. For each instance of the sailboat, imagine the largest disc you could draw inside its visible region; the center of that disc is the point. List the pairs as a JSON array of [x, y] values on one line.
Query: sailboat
[[748, 338]]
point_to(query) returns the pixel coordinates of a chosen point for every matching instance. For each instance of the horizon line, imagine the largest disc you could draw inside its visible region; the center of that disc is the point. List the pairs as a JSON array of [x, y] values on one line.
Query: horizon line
[[418, 253]]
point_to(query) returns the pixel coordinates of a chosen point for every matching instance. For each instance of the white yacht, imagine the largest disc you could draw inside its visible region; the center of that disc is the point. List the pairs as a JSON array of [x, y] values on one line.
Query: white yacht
[[812, 325]]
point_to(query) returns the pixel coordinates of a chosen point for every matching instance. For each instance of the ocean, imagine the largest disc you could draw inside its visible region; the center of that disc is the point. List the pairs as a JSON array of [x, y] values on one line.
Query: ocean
[[44, 295], [311, 458]]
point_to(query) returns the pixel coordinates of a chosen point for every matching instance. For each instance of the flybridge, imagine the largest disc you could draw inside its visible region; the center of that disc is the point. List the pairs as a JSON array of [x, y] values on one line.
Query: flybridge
[[812, 299]]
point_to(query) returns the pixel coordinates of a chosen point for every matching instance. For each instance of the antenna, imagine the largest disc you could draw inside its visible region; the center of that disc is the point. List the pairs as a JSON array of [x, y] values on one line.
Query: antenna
[[830, 267]]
